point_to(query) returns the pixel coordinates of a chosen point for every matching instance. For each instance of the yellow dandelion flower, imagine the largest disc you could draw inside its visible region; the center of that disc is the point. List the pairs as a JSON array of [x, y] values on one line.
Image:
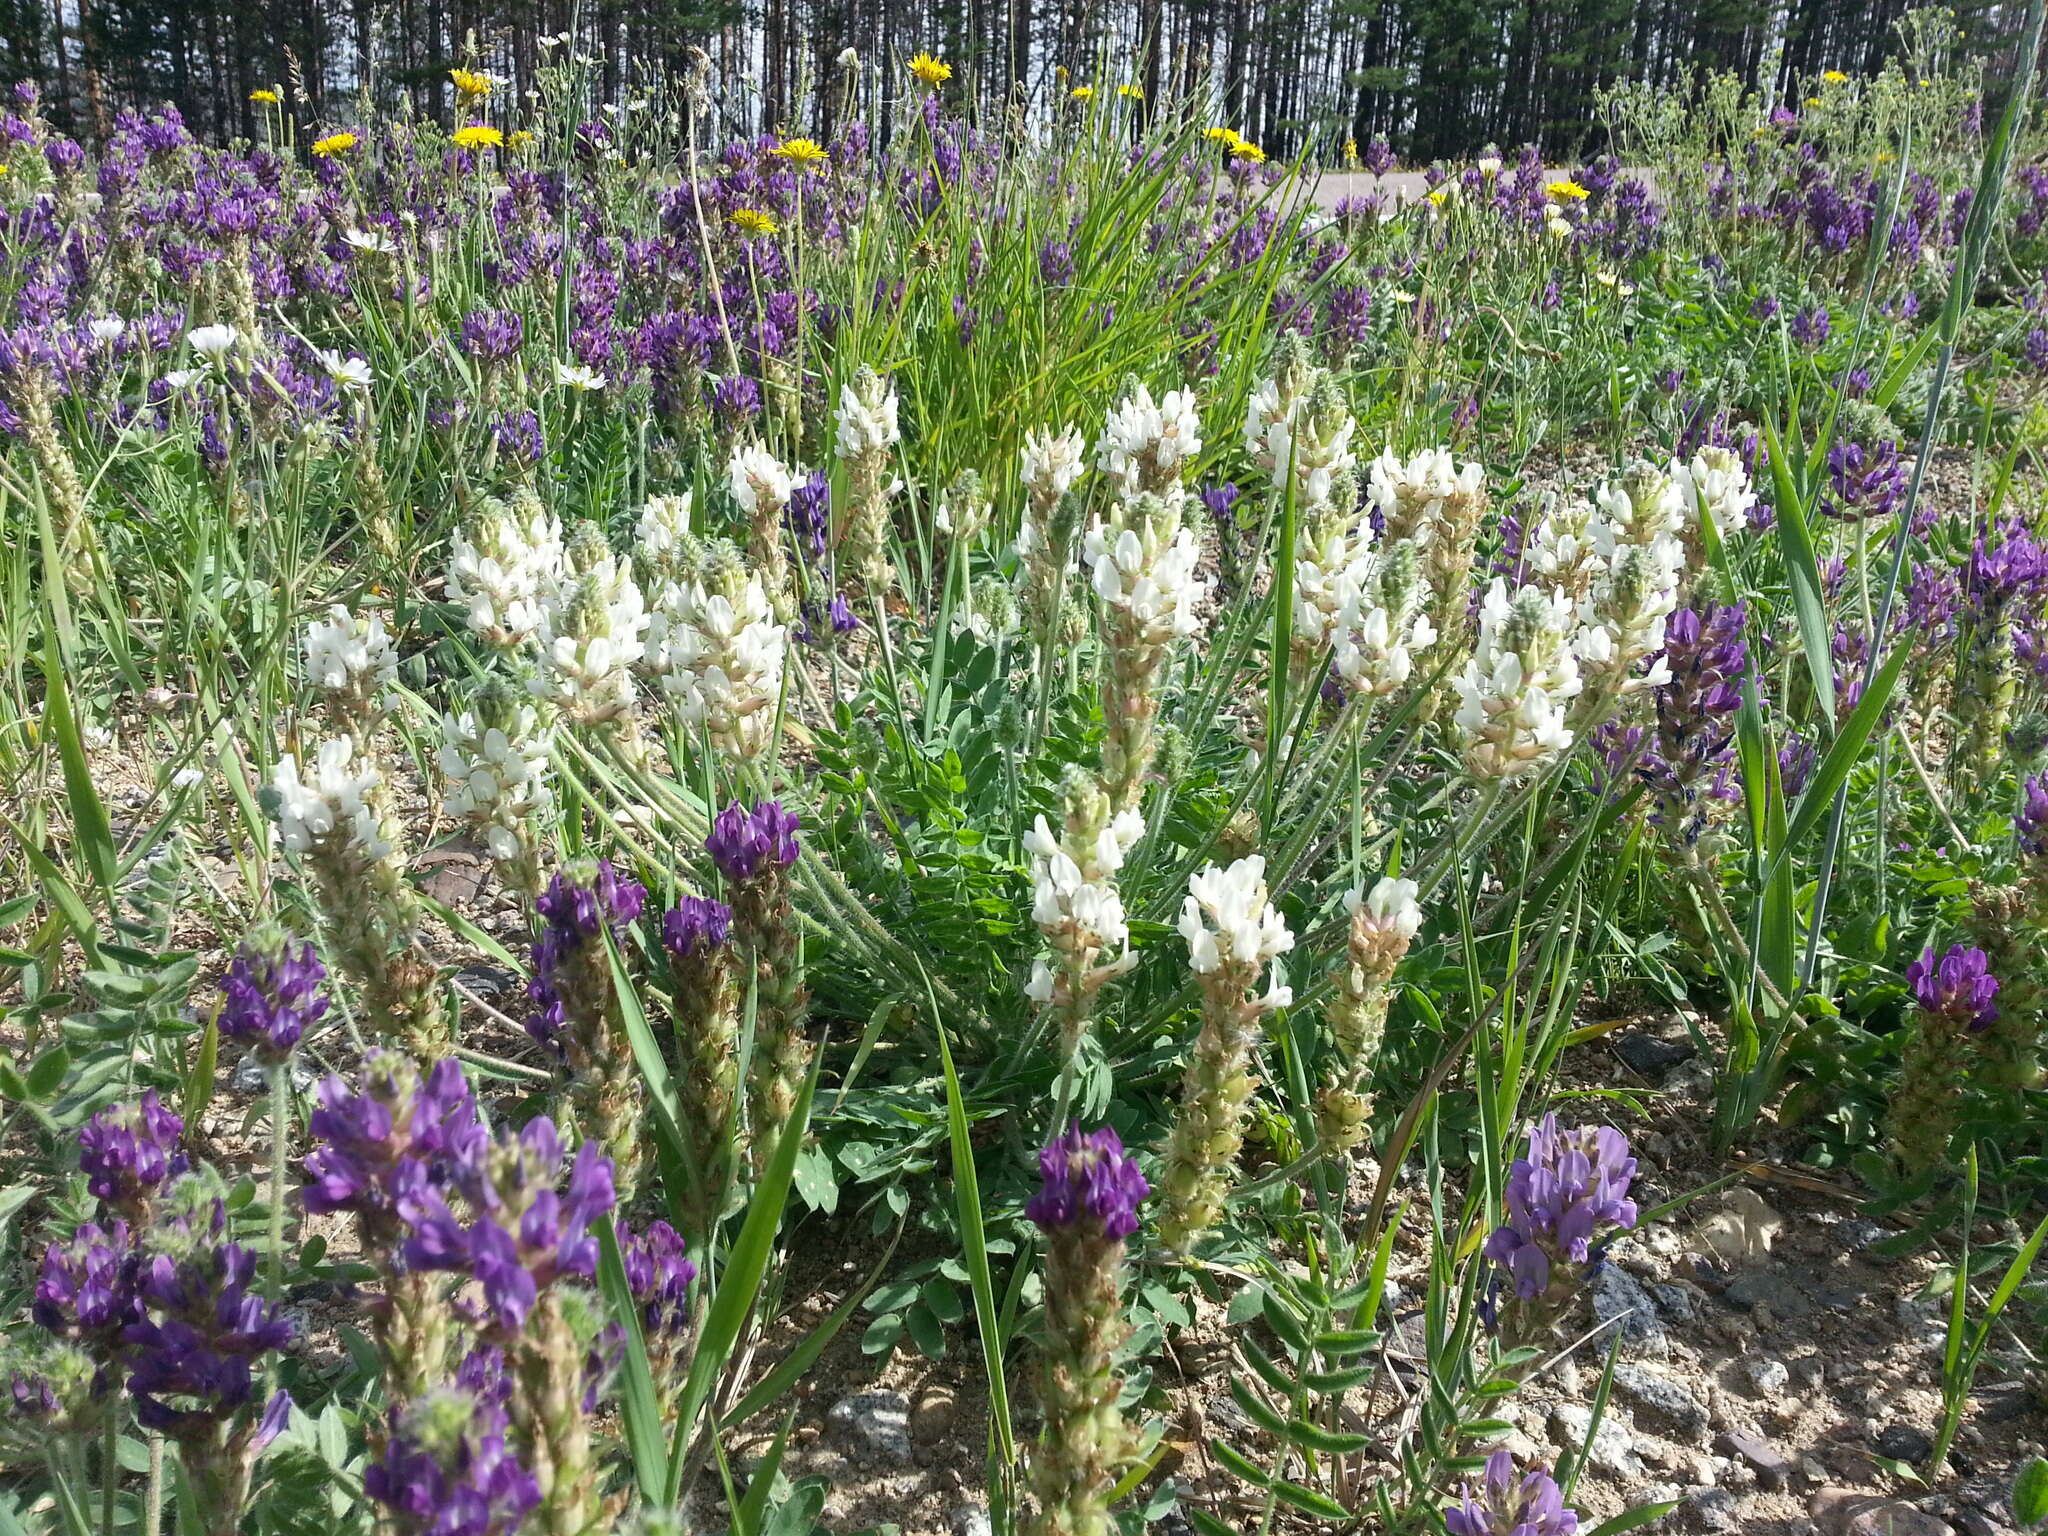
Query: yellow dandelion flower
[[1245, 149], [478, 136], [1081, 93], [1438, 197], [801, 152], [933, 72], [753, 221], [1885, 157], [1351, 151], [1567, 191], [334, 144], [1220, 135], [520, 137], [469, 83], [1135, 93], [264, 96], [1813, 101], [1833, 76]]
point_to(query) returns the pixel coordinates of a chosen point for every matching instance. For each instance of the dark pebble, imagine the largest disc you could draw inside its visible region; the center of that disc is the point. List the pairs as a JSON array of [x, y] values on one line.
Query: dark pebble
[[1902, 1442], [1647, 1056]]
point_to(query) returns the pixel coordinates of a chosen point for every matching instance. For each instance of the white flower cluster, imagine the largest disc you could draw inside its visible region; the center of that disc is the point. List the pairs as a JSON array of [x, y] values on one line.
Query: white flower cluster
[[1384, 626], [592, 633], [1310, 433], [662, 536], [333, 803], [1718, 482], [1622, 618], [1563, 550], [1229, 925], [1390, 908], [719, 651], [1075, 904], [1514, 689], [502, 566], [1330, 575], [1051, 465], [1419, 495], [866, 416], [497, 775], [761, 483], [348, 654], [1148, 573], [1646, 504], [1147, 445]]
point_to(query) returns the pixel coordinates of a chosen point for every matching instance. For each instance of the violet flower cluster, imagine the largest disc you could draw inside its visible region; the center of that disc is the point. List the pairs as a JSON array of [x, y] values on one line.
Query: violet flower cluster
[[1088, 1178], [271, 995], [447, 1469], [379, 1147], [128, 1151], [1707, 658], [522, 1233], [574, 911], [1566, 1198], [1507, 1504], [1958, 989], [743, 843]]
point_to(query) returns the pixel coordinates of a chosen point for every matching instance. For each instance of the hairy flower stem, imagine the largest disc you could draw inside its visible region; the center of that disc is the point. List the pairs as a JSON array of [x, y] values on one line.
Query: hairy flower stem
[[2010, 924], [1086, 1443], [547, 1404], [280, 1151], [1926, 1104], [411, 1324]]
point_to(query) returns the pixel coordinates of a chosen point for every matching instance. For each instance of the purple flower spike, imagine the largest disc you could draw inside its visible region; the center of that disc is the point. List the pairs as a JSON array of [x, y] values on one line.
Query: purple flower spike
[[1708, 659], [695, 925], [271, 994], [743, 842], [1507, 1505], [1088, 1175], [396, 1134], [128, 1150], [196, 1348], [580, 903], [1958, 988], [526, 1234], [1565, 1199], [2031, 825], [446, 1470], [492, 335], [82, 1291], [659, 1274]]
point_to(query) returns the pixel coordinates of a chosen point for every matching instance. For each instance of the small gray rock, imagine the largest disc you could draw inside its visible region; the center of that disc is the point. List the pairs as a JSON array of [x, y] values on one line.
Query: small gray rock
[[1902, 1442], [1678, 1303], [1647, 1056], [1770, 1288], [1856, 1233], [972, 1520], [1714, 1508], [1619, 1295], [1772, 1467], [1662, 1394], [1612, 1448], [1768, 1376], [875, 1422]]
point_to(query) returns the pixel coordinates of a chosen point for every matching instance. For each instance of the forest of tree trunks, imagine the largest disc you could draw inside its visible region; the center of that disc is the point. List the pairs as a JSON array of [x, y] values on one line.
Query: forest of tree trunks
[[1433, 77]]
